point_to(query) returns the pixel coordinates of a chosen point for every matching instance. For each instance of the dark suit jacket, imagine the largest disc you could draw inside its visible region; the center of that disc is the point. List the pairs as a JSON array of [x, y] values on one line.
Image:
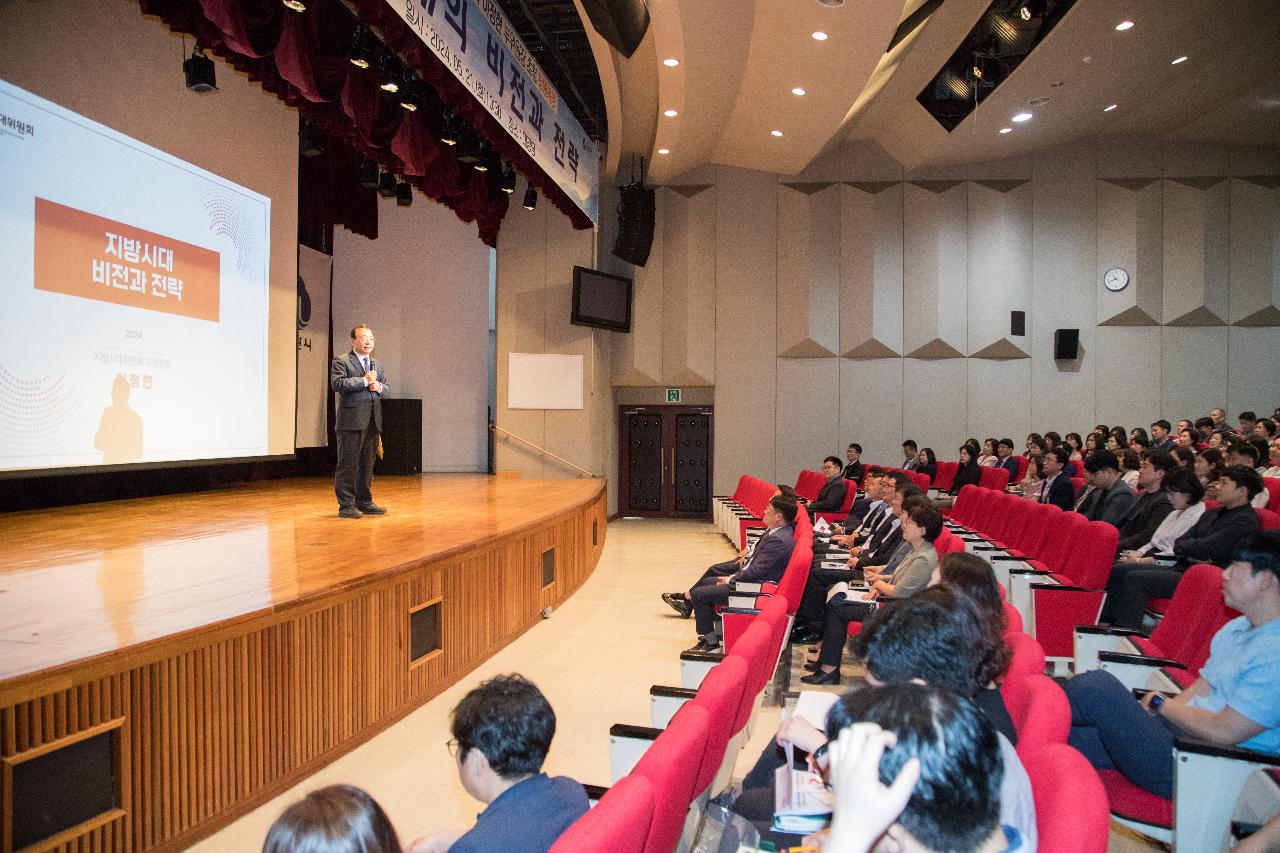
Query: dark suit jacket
[[1142, 519], [1110, 506], [356, 403], [769, 558], [1061, 493], [854, 471], [966, 475], [879, 551], [830, 497], [1010, 464], [1215, 536]]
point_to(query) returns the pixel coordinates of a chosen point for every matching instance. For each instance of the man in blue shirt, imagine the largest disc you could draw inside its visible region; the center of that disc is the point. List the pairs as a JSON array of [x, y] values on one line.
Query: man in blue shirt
[[1234, 702], [501, 733]]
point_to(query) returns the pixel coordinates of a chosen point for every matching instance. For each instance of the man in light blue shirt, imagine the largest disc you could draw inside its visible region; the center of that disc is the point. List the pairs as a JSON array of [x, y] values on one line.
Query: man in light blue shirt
[[1234, 702]]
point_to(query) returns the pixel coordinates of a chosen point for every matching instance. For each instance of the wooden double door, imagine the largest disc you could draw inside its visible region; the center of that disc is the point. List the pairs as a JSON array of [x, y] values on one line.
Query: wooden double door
[[664, 465]]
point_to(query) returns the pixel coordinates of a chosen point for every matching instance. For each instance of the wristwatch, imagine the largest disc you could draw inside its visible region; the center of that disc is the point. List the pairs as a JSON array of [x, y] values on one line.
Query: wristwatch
[[1156, 703]]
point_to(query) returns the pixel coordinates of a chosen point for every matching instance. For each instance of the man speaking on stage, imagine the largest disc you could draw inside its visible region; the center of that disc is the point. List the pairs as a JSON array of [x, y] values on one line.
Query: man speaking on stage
[[358, 379]]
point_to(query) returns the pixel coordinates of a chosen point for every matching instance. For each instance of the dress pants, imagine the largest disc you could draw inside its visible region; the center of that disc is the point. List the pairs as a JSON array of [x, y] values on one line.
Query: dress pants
[[705, 595], [356, 449], [1128, 588], [814, 600], [1114, 732], [835, 627]]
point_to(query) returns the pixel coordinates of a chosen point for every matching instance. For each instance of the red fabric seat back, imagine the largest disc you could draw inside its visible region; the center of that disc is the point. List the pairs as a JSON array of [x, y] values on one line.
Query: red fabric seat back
[[1011, 518], [796, 574], [922, 481], [1013, 622], [1195, 612], [1129, 801], [1077, 483], [671, 764], [1072, 812], [1041, 714], [721, 694], [1058, 541], [946, 475], [753, 649], [809, 483], [1027, 660], [947, 543], [1267, 519], [775, 615], [1040, 526], [1272, 485], [744, 488], [1023, 464], [993, 478], [619, 823], [1089, 563]]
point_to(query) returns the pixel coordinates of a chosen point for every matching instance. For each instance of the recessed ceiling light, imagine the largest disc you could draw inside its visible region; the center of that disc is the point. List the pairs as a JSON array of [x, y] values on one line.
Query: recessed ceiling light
[[1006, 130], [671, 63], [1021, 117], [1038, 102], [831, 3], [664, 150], [670, 113], [1110, 108], [798, 90], [1124, 25], [1179, 60], [820, 36], [776, 132]]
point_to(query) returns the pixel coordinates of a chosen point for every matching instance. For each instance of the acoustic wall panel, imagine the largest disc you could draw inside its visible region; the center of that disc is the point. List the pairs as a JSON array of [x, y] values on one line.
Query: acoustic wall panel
[[1253, 371], [1196, 233], [808, 269], [1128, 387], [999, 399], [871, 269], [935, 269], [638, 356], [871, 408], [689, 277], [1255, 252], [937, 418], [1131, 238], [1193, 371], [999, 266], [808, 417]]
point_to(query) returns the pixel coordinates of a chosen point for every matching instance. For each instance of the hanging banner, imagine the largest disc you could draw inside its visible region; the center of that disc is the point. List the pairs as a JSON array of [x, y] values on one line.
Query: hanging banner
[[314, 277], [476, 42]]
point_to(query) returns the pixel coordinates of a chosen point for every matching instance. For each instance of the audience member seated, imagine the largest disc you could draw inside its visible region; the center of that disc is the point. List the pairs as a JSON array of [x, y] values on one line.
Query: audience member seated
[[956, 803], [501, 733], [1139, 524], [1186, 458], [988, 457], [1204, 429], [1054, 486], [336, 819], [1112, 498], [920, 527], [927, 463], [1209, 467], [910, 450], [1273, 456], [831, 495], [1218, 416], [1243, 453], [1265, 429], [1160, 438], [968, 474], [1183, 491], [765, 564], [1211, 540], [1006, 459], [1248, 421], [861, 508], [1130, 463], [854, 470], [1234, 702]]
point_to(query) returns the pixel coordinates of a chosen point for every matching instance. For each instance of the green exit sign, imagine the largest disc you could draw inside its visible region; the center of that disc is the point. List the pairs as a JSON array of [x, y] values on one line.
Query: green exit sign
[[673, 395]]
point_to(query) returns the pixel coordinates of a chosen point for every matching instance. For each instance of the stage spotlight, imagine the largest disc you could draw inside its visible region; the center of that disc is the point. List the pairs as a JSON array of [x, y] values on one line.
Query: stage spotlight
[[508, 179], [390, 74], [310, 140], [469, 148], [530, 198], [404, 194], [369, 174], [295, 5], [387, 185], [199, 72], [483, 156], [449, 129], [360, 51], [1031, 9], [411, 94]]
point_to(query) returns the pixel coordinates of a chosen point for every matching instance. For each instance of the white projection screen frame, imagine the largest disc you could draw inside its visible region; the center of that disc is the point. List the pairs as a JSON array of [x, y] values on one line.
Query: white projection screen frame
[[544, 381], [147, 280]]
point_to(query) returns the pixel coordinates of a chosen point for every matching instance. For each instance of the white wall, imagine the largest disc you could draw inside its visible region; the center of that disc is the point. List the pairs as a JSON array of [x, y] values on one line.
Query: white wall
[[423, 286]]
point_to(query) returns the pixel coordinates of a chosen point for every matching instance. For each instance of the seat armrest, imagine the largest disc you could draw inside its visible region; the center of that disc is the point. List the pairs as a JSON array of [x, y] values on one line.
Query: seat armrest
[[1030, 571], [1108, 631], [1140, 660], [1208, 779], [627, 745], [745, 586], [665, 701], [739, 603], [595, 793], [1060, 587], [1011, 558]]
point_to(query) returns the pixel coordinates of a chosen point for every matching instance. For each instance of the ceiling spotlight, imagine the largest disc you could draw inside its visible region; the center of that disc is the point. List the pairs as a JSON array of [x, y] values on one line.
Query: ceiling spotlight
[[1124, 25], [530, 198], [1179, 60], [295, 5], [664, 150], [1110, 108], [387, 185], [449, 128], [798, 90], [1031, 9], [671, 62], [670, 113], [198, 70], [310, 140], [360, 51], [831, 4], [1006, 130], [369, 174], [390, 74], [775, 132], [508, 179], [819, 36], [404, 194], [411, 92], [1021, 117]]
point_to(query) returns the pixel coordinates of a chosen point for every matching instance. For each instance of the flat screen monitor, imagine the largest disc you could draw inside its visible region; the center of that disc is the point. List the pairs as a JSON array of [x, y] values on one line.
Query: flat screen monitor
[[601, 300]]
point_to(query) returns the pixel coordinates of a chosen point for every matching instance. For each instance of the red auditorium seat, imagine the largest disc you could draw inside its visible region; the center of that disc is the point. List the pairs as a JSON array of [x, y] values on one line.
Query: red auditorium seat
[[809, 484], [1028, 660], [1267, 519], [993, 478], [1272, 485], [671, 765], [1023, 464], [721, 696], [1014, 623], [946, 475], [1072, 814], [619, 823], [850, 492], [1041, 714], [1073, 594]]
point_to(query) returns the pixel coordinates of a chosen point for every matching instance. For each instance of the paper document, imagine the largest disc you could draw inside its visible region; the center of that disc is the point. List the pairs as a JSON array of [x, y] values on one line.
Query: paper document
[[802, 803]]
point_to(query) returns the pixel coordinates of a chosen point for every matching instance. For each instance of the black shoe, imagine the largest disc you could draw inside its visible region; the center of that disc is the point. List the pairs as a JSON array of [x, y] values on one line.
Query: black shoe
[[350, 512], [820, 677], [806, 639], [678, 603], [372, 509], [811, 666], [704, 646]]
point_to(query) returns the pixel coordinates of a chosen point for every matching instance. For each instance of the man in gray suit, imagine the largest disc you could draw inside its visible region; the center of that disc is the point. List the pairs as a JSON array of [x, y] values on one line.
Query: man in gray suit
[[358, 379]]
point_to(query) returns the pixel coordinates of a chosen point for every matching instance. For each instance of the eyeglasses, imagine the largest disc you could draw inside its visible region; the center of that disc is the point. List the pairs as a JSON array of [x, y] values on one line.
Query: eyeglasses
[[452, 745]]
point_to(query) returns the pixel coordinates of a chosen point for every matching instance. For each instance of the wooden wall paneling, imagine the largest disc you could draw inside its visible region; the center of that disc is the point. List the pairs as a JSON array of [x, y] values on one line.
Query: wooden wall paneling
[[1196, 254], [688, 285], [1131, 237], [1255, 251], [871, 269], [808, 295], [935, 269], [999, 266]]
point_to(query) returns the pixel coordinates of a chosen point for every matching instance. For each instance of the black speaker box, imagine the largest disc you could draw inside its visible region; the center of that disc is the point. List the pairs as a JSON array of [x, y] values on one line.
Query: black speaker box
[[635, 224], [401, 437], [622, 23], [1018, 323], [1066, 344]]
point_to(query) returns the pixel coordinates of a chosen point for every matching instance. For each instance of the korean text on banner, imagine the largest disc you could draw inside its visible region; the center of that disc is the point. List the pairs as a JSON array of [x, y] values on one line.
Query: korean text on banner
[[476, 42]]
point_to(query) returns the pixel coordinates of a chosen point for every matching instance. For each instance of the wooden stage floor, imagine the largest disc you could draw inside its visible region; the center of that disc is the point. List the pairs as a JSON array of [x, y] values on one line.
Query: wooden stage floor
[[86, 581]]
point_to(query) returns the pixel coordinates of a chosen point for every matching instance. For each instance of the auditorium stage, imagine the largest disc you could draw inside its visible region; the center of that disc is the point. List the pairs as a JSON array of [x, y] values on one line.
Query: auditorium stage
[[229, 642]]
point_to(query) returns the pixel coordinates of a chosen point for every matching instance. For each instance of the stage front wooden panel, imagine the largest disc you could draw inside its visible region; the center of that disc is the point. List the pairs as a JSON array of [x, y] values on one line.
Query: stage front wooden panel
[[218, 681]]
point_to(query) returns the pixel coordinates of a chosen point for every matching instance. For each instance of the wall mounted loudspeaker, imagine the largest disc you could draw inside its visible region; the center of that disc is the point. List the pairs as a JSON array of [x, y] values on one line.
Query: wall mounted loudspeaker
[[1018, 323], [635, 224], [1066, 344], [622, 23]]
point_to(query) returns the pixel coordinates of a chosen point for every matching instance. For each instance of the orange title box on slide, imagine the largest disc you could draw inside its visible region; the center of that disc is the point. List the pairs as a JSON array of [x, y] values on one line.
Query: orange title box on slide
[[92, 257]]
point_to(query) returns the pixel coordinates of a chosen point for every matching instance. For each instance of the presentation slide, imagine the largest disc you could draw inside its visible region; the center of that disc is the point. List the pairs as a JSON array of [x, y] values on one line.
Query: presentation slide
[[134, 287]]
